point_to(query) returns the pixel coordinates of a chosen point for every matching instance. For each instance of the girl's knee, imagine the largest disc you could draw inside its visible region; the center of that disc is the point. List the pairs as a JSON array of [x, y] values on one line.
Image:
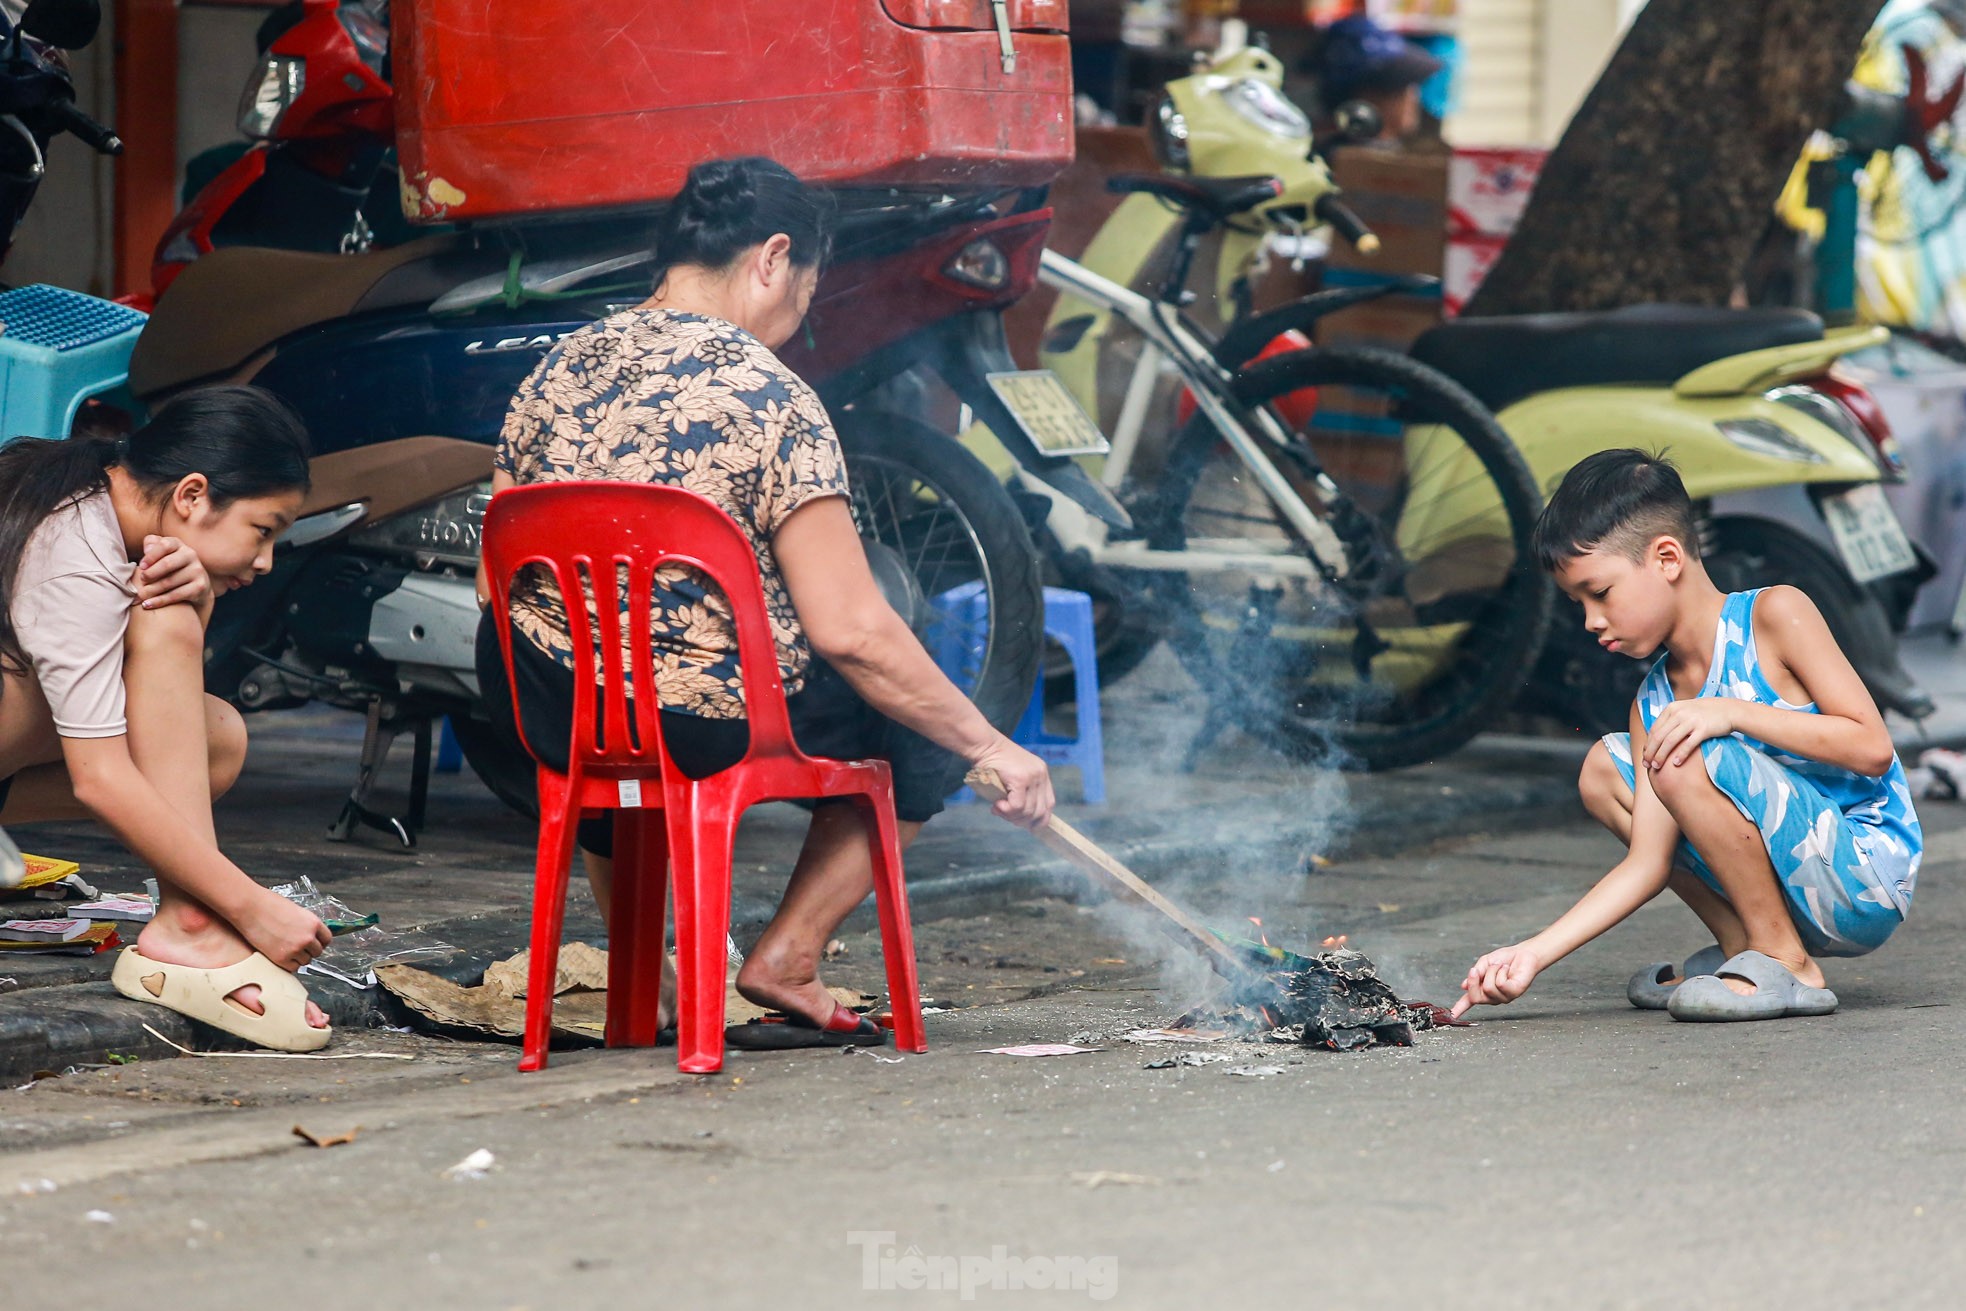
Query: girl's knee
[[225, 737]]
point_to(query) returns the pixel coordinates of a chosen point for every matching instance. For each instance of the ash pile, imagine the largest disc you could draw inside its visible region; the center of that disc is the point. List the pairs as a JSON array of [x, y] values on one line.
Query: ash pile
[[1332, 999]]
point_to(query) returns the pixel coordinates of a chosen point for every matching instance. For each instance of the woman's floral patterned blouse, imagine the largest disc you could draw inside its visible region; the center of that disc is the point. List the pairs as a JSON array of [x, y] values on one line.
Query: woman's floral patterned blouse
[[689, 401]]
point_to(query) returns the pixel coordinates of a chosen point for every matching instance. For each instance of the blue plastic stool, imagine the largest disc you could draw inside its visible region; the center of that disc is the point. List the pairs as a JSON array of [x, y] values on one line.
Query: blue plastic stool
[[450, 756], [1068, 622], [57, 348]]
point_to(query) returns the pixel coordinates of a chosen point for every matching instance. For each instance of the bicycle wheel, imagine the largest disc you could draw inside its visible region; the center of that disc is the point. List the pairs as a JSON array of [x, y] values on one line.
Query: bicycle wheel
[[1406, 658]]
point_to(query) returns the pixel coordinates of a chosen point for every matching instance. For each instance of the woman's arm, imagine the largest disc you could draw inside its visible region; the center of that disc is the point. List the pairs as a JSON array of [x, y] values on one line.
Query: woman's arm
[[850, 625], [501, 482], [1790, 633], [108, 783]]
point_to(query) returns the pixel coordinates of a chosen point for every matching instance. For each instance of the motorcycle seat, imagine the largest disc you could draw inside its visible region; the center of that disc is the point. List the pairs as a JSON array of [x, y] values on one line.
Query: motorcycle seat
[[1216, 198], [1501, 360], [230, 306]]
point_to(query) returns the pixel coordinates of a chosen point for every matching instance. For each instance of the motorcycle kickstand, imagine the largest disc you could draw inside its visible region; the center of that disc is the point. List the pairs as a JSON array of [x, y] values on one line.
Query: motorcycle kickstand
[[379, 736]]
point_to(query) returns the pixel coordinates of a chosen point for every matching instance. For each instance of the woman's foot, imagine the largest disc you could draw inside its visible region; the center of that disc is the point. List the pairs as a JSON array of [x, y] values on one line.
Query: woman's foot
[[781, 980], [665, 1006], [181, 935]]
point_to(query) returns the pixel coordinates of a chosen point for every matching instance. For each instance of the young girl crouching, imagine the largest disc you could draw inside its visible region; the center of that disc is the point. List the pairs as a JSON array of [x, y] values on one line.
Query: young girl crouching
[[111, 553]]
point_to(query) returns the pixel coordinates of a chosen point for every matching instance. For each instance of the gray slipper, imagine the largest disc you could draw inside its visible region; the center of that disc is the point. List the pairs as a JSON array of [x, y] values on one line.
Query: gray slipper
[[1648, 989], [1777, 993]]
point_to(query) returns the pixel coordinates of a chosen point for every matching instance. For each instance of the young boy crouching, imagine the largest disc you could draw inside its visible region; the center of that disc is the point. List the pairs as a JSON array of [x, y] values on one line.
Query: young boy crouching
[[1757, 782]]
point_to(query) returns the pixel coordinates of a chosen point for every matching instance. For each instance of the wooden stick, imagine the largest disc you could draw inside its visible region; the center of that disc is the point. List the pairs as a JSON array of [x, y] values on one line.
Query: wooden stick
[[1089, 856]]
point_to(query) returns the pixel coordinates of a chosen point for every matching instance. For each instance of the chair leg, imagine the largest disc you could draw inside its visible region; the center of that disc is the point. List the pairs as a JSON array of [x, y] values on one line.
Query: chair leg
[[635, 923], [549, 912], [897, 933], [624, 903], [699, 851]]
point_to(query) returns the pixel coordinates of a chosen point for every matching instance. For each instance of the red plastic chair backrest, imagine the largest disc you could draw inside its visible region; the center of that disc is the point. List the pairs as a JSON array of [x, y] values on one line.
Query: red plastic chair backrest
[[584, 533]]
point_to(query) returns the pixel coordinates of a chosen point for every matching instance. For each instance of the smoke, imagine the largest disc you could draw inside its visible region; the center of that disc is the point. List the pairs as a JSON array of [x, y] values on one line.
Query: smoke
[[1232, 830]]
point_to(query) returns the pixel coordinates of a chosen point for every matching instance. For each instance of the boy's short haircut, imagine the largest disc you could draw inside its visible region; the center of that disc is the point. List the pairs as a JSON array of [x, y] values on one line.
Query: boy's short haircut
[[1616, 501]]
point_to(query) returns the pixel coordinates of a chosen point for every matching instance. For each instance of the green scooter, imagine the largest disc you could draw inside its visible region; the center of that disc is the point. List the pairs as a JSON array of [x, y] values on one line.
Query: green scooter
[[1784, 451]]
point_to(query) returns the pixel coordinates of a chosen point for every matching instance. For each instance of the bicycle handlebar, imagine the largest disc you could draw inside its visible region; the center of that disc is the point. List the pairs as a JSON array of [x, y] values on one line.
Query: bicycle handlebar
[[1346, 224]]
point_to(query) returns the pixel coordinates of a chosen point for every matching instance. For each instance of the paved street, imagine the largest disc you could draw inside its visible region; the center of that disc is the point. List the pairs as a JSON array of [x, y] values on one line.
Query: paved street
[[1567, 1152]]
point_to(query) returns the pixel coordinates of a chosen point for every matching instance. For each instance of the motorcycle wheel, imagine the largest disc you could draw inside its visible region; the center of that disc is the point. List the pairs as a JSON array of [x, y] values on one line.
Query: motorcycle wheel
[[924, 502], [932, 518], [1583, 685], [1746, 553], [1463, 608]]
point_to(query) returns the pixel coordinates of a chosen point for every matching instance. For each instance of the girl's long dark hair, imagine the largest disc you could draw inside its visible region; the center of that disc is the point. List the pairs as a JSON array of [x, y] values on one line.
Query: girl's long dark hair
[[244, 440]]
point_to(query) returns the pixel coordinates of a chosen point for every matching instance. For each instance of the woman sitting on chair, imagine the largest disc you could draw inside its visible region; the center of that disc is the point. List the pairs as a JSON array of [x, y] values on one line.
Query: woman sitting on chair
[[683, 390]]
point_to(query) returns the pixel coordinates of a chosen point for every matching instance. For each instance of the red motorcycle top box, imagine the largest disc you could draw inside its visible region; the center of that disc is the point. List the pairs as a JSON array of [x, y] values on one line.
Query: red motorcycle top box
[[516, 109]]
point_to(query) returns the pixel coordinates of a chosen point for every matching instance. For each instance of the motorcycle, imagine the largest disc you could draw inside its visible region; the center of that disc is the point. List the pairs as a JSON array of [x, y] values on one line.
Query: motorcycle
[[379, 351], [319, 173], [1783, 451]]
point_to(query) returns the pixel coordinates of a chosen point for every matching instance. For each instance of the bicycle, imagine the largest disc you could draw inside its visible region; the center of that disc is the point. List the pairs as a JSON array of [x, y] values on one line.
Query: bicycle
[[1355, 586]]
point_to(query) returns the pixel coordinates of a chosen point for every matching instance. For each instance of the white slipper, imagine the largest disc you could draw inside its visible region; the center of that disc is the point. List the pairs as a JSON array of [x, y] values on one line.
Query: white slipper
[[201, 995]]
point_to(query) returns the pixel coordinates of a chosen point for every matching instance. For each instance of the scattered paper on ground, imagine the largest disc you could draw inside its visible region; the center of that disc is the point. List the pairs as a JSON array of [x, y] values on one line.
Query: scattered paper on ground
[[1176, 1035], [1189, 1058], [1100, 1178], [497, 1007], [493, 1008], [1255, 1071], [1039, 1049], [581, 969], [473, 1166], [58, 937], [45, 869], [115, 908]]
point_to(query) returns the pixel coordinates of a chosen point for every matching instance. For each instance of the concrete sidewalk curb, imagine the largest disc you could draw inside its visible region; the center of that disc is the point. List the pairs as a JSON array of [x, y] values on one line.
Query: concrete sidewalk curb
[[79, 1020]]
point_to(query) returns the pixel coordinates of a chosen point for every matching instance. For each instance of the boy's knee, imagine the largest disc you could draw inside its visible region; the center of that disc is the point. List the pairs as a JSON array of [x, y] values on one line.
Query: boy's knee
[[1676, 784], [1606, 795], [225, 737], [1599, 780], [171, 628]]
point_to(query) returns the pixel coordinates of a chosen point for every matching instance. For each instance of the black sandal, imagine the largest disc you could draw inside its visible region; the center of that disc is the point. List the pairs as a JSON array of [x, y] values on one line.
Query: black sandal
[[775, 1033]]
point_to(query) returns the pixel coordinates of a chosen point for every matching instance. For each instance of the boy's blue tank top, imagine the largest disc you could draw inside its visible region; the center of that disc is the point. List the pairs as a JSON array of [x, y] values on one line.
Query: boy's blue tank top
[[1884, 826]]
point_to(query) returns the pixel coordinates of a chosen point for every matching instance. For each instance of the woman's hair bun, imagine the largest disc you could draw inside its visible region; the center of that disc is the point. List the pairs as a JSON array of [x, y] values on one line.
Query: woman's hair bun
[[722, 190], [727, 206]]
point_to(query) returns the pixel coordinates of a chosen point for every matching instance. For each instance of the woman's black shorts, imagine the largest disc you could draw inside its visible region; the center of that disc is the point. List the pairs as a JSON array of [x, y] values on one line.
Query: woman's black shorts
[[828, 719]]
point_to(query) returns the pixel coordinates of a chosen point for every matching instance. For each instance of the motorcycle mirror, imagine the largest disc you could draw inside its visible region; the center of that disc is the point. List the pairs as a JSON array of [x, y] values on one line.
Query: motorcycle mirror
[[1358, 122], [66, 24]]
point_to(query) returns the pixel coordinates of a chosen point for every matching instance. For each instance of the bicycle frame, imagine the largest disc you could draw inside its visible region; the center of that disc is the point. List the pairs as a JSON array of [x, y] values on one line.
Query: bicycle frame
[[1169, 335]]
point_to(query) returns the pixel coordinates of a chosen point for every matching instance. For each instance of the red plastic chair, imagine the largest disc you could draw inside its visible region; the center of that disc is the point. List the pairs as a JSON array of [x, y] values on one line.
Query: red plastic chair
[[587, 534]]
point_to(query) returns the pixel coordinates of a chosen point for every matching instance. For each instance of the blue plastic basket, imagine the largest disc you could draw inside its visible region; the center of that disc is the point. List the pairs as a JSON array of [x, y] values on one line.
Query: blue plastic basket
[[57, 349]]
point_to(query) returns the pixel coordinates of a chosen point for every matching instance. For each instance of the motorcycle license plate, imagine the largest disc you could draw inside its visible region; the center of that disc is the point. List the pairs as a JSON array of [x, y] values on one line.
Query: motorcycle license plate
[[1049, 414], [1868, 534]]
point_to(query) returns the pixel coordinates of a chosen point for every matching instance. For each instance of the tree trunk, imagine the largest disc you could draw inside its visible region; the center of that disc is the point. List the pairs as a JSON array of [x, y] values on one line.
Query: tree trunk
[[1665, 178]]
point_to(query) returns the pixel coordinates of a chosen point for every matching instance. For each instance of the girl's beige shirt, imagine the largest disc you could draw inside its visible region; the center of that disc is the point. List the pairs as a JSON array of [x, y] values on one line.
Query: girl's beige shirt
[[71, 609]]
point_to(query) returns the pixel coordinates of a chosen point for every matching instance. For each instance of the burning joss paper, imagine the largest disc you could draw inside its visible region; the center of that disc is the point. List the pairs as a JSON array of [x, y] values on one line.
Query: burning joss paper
[[1333, 999]]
